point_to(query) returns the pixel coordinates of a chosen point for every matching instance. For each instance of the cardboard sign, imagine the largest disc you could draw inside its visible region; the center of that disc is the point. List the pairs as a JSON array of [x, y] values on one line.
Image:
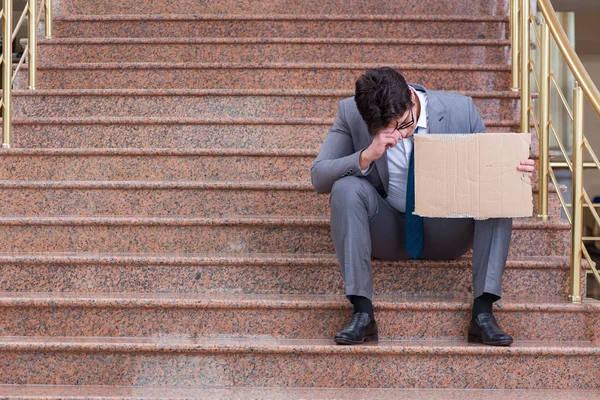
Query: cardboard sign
[[472, 175]]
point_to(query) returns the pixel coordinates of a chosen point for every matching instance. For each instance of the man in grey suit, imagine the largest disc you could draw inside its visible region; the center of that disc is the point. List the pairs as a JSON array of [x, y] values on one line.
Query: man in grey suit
[[366, 163]]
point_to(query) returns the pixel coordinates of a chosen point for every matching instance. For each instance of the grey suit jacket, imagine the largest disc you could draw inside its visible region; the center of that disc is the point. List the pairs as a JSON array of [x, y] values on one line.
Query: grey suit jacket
[[339, 154]]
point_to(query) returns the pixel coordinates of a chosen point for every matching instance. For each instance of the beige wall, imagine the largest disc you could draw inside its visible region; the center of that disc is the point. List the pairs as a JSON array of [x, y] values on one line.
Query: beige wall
[[587, 45], [592, 123]]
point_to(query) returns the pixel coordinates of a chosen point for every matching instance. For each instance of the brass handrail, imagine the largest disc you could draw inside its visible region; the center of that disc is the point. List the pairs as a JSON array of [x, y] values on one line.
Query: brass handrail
[[29, 53], [523, 68]]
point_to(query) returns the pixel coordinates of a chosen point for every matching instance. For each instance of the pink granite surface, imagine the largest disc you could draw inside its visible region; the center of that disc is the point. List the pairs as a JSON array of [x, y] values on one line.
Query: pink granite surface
[[182, 133], [366, 26], [258, 76], [55, 392], [485, 51], [268, 362], [344, 7], [264, 273], [215, 104], [264, 138], [235, 234], [153, 164], [193, 198], [281, 316]]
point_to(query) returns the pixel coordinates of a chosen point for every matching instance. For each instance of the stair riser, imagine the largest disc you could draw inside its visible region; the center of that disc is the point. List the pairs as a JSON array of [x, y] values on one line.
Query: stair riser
[[275, 52], [281, 28], [129, 168], [212, 106], [311, 323], [335, 7], [402, 280], [127, 135], [228, 239], [192, 202], [259, 369], [238, 136], [246, 78]]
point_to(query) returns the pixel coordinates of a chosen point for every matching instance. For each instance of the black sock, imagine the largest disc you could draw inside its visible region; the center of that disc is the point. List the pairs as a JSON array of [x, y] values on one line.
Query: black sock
[[483, 304], [362, 304]]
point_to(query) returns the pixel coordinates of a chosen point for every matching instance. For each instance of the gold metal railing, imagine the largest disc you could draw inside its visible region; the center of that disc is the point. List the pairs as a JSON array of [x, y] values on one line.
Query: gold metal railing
[[29, 53], [546, 28]]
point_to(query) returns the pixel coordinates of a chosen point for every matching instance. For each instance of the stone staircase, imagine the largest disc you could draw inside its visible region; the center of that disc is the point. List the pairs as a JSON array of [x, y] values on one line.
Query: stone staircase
[[162, 239]]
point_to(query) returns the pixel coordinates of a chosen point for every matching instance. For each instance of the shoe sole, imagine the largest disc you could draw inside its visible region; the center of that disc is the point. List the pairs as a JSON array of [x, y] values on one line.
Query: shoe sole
[[477, 339], [370, 338]]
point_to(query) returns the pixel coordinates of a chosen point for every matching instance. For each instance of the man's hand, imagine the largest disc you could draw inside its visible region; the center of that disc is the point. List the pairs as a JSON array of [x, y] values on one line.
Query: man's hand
[[527, 166], [382, 141]]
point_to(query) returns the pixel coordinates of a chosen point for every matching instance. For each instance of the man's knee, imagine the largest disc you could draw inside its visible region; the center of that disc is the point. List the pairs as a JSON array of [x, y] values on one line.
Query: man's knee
[[351, 191]]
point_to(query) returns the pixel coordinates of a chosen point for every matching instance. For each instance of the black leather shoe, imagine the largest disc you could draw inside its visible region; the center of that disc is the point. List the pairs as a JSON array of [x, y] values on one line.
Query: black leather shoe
[[485, 329], [361, 329]]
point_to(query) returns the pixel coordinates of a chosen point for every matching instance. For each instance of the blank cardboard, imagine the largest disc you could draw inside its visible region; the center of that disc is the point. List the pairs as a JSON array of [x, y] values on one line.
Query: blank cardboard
[[472, 175]]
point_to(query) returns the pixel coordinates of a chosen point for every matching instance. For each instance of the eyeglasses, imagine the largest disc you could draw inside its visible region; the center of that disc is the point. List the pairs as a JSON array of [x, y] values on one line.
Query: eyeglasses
[[405, 124]]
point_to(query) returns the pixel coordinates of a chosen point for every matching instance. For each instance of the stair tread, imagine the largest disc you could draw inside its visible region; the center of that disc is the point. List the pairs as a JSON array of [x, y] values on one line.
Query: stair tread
[[267, 65], [318, 221], [164, 184], [240, 393], [280, 301], [304, 346], [230, 92], [282, 17], [271, 152], [258, 40], [247, 259]]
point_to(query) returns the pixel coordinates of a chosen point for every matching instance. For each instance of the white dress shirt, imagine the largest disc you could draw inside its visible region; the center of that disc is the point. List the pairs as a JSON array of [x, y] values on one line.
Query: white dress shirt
[[399, 158]]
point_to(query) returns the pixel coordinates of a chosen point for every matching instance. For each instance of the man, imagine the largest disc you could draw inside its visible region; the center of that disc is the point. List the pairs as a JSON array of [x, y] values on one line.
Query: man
[[366, 163]]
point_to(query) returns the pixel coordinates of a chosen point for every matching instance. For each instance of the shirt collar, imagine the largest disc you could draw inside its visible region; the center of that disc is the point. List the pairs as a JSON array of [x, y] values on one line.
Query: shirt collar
[[422, 122]]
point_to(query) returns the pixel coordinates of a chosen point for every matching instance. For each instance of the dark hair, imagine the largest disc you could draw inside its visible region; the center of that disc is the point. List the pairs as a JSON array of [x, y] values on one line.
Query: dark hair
[[381, 95]]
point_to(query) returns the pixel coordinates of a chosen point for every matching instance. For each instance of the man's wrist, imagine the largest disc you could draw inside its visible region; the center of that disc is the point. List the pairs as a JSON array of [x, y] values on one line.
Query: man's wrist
[[364, 159]]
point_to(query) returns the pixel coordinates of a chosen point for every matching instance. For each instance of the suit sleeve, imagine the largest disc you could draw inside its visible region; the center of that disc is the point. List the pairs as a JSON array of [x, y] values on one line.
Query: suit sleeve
[[477, 125], [337, 157]]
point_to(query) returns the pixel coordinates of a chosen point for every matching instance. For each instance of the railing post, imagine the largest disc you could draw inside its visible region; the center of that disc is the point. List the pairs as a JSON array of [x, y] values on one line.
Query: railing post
[[7, 75], [577, 200], [514, 35], [48, 19], [32, 40], [524, 36], [544, 138]]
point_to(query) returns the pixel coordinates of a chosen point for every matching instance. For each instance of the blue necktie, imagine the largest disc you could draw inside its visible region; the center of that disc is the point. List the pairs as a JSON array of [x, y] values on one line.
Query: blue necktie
[[413, 229]]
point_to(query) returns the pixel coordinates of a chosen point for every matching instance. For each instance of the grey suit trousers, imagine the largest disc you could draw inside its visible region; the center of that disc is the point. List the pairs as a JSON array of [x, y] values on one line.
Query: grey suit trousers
[[365, 226]]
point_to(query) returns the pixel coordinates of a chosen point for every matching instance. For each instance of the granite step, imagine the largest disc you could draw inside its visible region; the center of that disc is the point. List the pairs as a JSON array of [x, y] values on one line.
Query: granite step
[[301, 7], [312, 76], [223, 104], [274, 273], [241, 50], [258, 234], [154, 198], [248, 25], [282, 316], [156, 164], [220, 362], [275, 132], [39, 392]]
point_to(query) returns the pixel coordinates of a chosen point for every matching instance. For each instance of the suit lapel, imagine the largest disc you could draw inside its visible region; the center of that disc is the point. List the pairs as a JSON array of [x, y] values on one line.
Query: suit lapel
[[437, 114], [381, 165], [382, 169]]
